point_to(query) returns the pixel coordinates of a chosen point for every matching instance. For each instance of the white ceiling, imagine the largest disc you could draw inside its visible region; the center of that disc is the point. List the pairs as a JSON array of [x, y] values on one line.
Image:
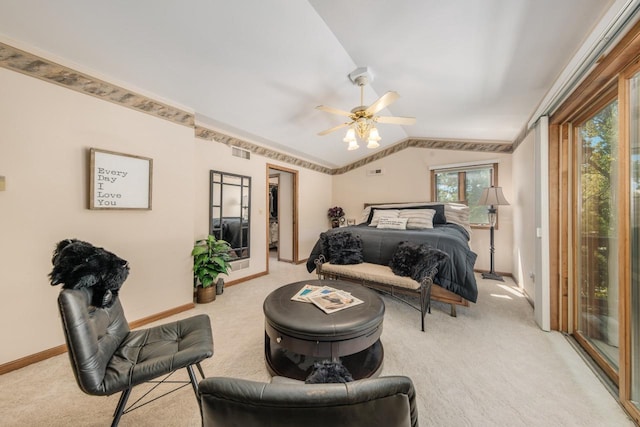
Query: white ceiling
[[255, 69]]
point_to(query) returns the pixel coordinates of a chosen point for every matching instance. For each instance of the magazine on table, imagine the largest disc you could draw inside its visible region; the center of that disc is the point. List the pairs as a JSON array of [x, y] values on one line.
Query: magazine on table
[[308, 290], [303, 294], [334, 301]]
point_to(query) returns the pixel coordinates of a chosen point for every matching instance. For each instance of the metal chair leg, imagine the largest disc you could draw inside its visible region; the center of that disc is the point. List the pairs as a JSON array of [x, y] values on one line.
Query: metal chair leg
[[122, 403], [194, 381], [200, 369]]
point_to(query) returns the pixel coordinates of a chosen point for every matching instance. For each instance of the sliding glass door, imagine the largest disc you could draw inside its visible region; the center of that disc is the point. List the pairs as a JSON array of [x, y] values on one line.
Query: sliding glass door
[[597, 299]]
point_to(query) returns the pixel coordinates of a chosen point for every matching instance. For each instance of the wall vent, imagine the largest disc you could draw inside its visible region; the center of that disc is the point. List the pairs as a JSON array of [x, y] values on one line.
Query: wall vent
[[375, 172], [239, 152], [239, 265]]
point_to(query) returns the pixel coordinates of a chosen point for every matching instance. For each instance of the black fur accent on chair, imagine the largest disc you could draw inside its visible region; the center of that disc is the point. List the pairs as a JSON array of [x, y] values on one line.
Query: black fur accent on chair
[[78, 264], [106, 356]]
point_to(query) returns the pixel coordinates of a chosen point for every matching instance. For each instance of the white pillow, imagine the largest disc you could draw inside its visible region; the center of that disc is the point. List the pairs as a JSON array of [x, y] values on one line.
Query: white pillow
[[379, 213], [457, 213], [418, 218], [392, 223], [364, 216]]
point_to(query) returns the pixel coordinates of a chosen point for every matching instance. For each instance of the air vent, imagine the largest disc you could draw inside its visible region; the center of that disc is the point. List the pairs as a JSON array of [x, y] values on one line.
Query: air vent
[[239, 152], [239, 265], [375, 172]]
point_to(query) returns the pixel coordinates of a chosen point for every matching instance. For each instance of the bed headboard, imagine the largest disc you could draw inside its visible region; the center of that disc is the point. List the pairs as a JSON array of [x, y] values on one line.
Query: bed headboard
[[457, 213], [366, 205]]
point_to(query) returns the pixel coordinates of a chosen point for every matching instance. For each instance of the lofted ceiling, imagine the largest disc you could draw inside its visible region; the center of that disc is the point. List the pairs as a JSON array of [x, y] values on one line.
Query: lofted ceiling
[[256, 69]]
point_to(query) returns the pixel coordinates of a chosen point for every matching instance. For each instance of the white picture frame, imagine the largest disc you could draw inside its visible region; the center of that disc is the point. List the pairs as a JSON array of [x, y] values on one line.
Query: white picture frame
[[119, 181]]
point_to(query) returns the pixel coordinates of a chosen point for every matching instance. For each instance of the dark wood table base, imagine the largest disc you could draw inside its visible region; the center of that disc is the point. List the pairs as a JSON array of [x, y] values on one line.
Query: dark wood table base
[[280, 361], [298, 334]]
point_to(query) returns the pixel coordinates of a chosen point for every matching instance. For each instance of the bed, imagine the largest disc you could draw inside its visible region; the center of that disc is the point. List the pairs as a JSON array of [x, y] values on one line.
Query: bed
[[455, 281]]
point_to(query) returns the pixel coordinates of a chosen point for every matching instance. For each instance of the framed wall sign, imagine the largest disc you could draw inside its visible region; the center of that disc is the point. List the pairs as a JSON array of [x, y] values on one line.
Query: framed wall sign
[[119, 181]]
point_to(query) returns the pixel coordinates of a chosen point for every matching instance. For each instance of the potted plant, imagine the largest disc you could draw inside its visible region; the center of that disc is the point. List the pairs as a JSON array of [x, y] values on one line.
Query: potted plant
[[334, 214], [210, 258]]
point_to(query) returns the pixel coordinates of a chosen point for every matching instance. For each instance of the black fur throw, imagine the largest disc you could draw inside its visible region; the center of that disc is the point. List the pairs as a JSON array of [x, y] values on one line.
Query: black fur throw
[[405, 258], [78, 264], [416, 260], [342, 248], [429, 259], [328, 372]]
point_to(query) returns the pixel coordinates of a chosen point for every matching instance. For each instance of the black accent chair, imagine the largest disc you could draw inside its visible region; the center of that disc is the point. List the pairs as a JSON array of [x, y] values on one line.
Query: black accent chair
[[384, 401], [107, 357]]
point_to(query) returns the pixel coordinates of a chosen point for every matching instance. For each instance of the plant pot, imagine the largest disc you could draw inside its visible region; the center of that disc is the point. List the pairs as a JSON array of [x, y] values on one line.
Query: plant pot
[[335, 223], [205, 295], [220, 286]]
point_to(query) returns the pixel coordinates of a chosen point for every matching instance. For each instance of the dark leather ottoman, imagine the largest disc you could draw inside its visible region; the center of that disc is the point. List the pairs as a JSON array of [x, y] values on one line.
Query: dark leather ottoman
[[297, 334]]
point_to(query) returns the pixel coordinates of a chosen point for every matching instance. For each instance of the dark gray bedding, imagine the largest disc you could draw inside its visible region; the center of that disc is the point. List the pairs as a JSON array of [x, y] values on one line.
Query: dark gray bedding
[[379, 245]]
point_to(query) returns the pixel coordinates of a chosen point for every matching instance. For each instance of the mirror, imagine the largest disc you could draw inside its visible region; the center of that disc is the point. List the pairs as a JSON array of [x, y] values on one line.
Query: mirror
[[229, 210]]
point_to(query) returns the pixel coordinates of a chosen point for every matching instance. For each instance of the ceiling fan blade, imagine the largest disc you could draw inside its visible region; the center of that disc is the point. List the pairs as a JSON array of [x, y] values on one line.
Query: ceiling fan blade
[[382, 102], [324, 132], [396, 120], [333, 110]]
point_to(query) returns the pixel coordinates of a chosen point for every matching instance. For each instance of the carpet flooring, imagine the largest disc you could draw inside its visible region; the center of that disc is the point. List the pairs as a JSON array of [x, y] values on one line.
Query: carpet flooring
[[489, 366]]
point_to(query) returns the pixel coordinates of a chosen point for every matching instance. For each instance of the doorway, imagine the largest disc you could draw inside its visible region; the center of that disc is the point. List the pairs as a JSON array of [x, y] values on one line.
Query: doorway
[[282, 218]]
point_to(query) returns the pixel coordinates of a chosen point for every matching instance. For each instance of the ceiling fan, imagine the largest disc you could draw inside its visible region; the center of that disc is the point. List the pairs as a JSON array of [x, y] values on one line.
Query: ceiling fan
[[363, 118]]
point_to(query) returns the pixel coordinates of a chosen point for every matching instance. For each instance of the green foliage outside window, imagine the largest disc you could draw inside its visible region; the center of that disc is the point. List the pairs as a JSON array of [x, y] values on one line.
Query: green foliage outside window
[[465, 186]]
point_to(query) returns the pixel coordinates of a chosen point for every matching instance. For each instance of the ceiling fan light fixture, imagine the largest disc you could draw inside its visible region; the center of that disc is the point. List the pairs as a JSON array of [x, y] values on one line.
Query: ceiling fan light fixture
[[350, 136], [353, 145], [374, 137]]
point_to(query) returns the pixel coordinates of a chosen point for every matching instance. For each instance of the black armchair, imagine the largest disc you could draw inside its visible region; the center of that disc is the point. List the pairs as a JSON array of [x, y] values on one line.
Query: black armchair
[[385, 401], [107, 357]]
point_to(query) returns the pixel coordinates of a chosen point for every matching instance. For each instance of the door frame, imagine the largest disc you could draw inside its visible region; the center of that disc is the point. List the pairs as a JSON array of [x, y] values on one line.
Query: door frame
[[295, 180]]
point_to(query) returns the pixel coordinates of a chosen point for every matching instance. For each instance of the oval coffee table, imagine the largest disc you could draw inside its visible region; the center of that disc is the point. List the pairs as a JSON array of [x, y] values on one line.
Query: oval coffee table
[[297, 334]]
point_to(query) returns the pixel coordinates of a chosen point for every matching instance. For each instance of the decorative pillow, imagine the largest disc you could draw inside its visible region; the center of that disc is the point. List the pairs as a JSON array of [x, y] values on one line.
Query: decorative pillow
[[405, 258], [418, 218], [428, 259], [342, 248], [438, 218], [457, 213], [379, 213], [393, 223]]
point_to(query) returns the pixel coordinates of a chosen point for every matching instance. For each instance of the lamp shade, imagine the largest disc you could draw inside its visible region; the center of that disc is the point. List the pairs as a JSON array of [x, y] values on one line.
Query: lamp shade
[[492, 196]]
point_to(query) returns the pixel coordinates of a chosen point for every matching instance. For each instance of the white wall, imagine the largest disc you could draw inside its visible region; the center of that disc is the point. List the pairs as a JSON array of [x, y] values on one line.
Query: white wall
[[406, 178], [524, 215]]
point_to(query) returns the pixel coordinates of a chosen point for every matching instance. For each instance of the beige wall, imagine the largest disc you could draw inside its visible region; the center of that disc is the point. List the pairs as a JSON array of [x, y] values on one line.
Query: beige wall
[[44, 136], [524, 215], [406, 178], [45, 131]]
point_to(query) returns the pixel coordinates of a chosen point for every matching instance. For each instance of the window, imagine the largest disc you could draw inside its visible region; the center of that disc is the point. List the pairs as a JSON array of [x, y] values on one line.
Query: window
[[464, 184]]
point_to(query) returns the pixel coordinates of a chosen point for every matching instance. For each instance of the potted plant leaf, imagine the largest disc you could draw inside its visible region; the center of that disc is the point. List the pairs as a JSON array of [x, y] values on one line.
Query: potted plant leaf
[[211, 257]]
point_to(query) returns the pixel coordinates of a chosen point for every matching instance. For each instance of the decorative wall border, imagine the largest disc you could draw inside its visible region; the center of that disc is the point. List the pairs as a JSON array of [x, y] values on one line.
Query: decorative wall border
[[43, 69], [486, 147], [212, 135]]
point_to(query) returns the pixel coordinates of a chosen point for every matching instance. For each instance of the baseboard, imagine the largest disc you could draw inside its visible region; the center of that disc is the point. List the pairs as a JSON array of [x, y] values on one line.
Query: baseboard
[[32, 358], [159, 316], [55, 351], [245, 279], [498, 272]]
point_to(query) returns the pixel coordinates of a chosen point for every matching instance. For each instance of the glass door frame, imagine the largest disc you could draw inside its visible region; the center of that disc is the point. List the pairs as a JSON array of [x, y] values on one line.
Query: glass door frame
[[613, 70], [607, 96]]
